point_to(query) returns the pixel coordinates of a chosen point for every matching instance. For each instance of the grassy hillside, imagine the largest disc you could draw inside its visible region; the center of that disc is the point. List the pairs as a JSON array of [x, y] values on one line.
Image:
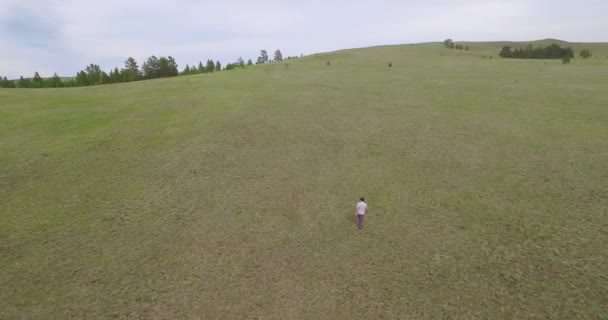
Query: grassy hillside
[[232, 195]]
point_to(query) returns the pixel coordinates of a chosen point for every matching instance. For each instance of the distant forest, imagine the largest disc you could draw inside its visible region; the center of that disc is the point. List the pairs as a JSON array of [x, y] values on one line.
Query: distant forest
[[553, 51], [154, 67]]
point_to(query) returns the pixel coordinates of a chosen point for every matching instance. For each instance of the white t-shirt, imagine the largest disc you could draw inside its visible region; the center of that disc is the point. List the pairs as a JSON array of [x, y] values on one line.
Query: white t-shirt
[[361, 208]]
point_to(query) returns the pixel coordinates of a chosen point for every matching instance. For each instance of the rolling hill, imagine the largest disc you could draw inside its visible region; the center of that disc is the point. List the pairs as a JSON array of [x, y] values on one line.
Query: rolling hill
[[232, 195]]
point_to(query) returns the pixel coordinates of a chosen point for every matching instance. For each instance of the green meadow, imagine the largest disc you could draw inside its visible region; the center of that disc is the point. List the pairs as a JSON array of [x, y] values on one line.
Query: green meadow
[[232, 195]]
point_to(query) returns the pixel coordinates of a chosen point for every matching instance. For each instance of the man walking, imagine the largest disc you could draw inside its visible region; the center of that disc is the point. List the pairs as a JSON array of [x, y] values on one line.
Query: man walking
[[361, 209]]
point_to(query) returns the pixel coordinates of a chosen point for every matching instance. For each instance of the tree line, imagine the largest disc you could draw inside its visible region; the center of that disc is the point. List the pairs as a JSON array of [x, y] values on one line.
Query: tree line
[[209, 67], [554, 51], [449, 43], [153, 68], [278, 56]]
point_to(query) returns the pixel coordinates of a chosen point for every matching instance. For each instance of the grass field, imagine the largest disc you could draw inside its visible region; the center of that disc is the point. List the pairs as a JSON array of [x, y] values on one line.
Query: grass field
[[232, 195]]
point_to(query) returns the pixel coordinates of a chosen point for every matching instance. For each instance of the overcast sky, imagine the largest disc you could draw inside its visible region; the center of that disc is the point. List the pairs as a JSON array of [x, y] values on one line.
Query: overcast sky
[[64, 36]]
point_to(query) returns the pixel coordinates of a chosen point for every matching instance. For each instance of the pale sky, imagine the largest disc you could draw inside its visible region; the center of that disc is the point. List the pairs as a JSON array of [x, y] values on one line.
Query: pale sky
[[64, 36]]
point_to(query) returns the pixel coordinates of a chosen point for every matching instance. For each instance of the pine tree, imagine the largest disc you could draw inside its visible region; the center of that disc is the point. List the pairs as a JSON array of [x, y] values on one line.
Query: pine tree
[[163, 67], [506, 52], [37, 81], [5, 83], [210, 66], [249, 62], [173, 67], [82, 79], [263, 58], [218, 66], [116, 77], [55, 81], [111, 76], [24, 83], [529, 51], [94, 74], [151, 68], [278, 56], [131, 71], [186, 70], [9, 83], [105, 78], [144, 67], [241, 62], [201, 68]]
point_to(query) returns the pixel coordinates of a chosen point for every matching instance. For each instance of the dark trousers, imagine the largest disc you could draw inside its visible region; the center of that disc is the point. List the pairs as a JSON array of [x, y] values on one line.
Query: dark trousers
[[360, 218]]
